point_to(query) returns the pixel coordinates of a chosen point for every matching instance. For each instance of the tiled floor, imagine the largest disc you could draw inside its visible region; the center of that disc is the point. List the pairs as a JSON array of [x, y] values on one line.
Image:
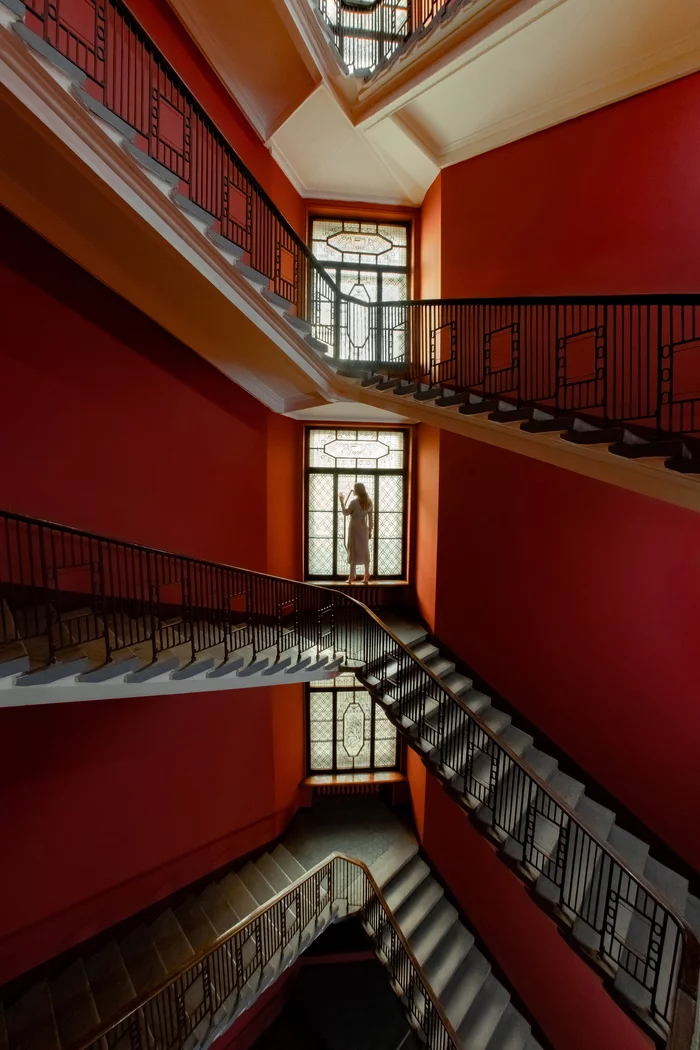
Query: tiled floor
[[363, 828]]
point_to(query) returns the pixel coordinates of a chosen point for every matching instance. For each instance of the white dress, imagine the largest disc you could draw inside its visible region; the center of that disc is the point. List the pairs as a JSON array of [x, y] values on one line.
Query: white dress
[[358, 533]]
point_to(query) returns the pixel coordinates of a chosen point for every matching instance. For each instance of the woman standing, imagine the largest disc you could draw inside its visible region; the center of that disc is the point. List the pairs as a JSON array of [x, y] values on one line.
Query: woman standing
[[359, 510]]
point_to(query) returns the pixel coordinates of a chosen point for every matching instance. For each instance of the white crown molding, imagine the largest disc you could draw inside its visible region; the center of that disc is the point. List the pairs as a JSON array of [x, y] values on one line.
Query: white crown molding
[[318, 193], [648, 72]]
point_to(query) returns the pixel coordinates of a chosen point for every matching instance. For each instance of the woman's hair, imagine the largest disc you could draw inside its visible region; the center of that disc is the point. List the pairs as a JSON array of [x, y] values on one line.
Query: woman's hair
[[361, 493]]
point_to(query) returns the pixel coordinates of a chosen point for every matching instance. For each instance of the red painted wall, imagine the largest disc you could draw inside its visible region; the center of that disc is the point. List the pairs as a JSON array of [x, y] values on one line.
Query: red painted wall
[[578, 601], [111, 425], [170, 36], [108, 807], [564, 996], [604, 203], [427, 497]]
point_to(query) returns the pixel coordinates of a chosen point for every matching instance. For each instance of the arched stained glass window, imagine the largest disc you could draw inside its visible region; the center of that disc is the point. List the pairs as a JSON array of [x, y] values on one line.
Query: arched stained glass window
[[347, 729]]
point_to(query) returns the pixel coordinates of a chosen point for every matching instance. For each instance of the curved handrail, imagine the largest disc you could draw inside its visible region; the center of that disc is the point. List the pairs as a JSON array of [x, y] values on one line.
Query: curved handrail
[[357, 631], [280, 903]]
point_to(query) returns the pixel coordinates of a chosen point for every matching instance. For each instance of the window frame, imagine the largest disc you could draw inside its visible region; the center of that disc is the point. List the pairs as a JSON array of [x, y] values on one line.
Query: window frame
[[403, 472], [334, 769], [334, 268]]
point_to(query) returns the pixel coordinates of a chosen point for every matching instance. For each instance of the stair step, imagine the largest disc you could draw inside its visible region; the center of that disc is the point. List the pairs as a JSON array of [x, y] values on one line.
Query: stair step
[[647, 449], [73, 1004], [111, 985], [595, 436], [512, 1031], [484, 1014], [511, 415], [31, 1024], [426, 937], [405, 882], [195, 925], [393, 860], [425, 651], [419, 905], [565, 788], [217, 909], [496, 720], [256, 883], [465, 986], [478, 408], [440, 666], [141, 958], [557, 424], [595, 818], [692, 913], [288, 863], [444, 962], [272, 872], [458, 683], [475, 700], [171, 941], [238, 896]]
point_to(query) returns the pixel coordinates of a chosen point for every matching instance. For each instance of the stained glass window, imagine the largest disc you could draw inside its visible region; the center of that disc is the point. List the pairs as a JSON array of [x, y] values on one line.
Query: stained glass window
[[336, 460], [369, 261], [348, 730]]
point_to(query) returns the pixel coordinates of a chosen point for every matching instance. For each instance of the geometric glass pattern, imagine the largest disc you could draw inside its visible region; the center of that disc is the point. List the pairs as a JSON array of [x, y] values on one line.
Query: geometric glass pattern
[[347, 729], [369, 261], [336, 459]]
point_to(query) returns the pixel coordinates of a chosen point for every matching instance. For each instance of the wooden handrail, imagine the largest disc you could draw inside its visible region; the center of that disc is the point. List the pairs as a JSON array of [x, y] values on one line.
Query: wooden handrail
[[140, 1001]]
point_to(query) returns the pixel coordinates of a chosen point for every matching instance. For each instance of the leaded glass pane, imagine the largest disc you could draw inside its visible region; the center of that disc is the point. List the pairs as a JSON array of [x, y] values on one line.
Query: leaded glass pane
[[353, 707], [337, 460]]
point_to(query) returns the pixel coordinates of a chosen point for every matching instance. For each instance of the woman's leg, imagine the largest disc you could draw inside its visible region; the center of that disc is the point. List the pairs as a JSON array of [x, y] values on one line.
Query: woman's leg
[[366, 579]]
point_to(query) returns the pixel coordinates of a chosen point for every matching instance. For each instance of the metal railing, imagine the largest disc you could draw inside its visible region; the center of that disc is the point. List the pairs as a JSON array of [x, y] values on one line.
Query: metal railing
[[60, 587], [190, 1005], [616, 359], [368, 33]]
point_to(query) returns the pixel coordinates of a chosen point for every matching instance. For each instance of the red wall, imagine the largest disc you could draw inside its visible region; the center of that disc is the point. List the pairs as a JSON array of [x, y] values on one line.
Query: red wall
[[563, 994], [605, 203], [110, 424], [108, 807], [172, 39], [578, 602]]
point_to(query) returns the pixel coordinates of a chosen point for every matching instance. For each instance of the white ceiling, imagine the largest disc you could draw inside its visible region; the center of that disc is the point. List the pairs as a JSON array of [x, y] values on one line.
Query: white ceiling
[[538, 63]]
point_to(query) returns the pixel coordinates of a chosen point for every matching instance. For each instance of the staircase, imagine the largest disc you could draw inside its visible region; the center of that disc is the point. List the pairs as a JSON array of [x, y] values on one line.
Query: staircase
[[571, 880], [197, 966]]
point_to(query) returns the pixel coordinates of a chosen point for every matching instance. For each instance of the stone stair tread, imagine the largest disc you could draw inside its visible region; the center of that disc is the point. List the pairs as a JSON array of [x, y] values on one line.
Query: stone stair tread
[[385, 867], [419, 905], [425, 651], [539, 762], [565, 788], [512, 1031], [672, 886], [407, 632], [142, 959], [595, 818], [493, 718], [217, 909], [515, 739], [405, 882], [238, 895], [110, 982], [273, 873], [484, 1014], [440, 665], [195, 925], [465, 985], [73, 1004], [444, 961], [426, 937], [457, 683], [288, 863], [31, 1024], [475, 700], [256, 883], [631, 849], [171, 941]]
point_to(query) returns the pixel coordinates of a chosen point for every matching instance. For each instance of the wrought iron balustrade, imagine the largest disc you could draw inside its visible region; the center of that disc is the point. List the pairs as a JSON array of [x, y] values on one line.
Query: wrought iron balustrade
[[191, 1005], [368, 33], [62, 587], [618, 358]]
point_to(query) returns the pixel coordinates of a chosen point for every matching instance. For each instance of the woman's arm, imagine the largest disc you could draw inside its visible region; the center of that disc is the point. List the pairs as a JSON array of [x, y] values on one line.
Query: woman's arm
[[346, 510]]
